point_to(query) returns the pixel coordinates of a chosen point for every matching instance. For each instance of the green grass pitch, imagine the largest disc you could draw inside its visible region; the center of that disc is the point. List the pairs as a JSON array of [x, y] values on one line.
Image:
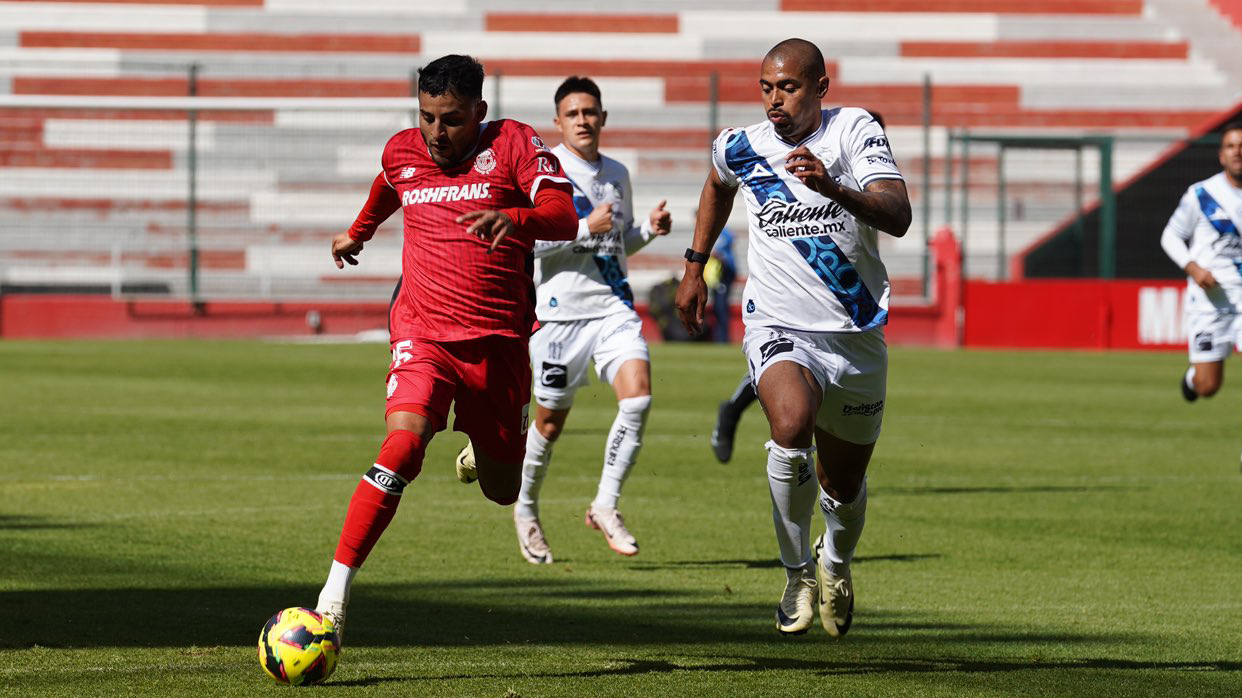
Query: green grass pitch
[[1040, 524]]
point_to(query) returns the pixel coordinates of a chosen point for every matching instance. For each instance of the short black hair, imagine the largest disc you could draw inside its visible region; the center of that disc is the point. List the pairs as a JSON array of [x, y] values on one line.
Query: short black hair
[[576, 83], [1231, 126], [460, 75], [802, 50]]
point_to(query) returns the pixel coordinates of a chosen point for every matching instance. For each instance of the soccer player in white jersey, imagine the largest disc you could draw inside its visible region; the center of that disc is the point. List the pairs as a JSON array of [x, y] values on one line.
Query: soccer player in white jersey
[[1202, 239], [817, 183], [586, 313]]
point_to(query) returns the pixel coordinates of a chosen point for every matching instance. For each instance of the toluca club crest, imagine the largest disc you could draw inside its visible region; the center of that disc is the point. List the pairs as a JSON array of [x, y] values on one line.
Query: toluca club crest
[[485, 162]]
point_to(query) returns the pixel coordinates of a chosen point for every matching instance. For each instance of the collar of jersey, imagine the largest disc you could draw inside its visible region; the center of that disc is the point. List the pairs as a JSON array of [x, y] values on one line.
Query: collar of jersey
[[823, 123], [595, 166]]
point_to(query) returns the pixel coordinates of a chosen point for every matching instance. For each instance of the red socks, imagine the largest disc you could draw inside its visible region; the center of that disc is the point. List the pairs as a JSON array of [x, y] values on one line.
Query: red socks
[[375, 500]]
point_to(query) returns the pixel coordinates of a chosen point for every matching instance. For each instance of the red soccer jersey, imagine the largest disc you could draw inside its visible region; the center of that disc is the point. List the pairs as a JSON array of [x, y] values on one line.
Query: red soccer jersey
[[451, 288]]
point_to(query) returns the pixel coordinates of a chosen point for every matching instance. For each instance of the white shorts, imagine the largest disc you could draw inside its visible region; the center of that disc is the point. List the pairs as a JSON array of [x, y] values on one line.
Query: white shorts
[[850, 367], [559, 353], [1212, 336]]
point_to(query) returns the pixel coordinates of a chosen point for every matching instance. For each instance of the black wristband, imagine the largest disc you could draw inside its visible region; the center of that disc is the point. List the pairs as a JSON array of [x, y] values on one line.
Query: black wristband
[[696, 257]]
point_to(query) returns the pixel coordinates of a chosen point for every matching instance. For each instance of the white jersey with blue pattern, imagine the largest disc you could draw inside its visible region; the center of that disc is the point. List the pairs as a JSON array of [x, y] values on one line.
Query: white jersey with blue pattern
[[813, 267], [1205, 229], [587, 277]]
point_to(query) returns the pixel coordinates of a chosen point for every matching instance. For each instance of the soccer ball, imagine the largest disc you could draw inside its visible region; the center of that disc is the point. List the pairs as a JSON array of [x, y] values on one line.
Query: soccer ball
[[298, 647]]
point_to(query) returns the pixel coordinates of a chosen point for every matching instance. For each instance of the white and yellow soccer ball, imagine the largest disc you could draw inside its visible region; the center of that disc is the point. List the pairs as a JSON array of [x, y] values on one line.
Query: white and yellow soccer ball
[[298, 647]]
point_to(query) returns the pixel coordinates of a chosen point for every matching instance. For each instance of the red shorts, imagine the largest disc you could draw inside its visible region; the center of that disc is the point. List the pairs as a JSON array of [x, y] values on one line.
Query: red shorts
[[488, 378]]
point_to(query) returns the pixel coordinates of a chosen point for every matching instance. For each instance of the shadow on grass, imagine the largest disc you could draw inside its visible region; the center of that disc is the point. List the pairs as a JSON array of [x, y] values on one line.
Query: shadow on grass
[[13, 522], [999, 489], [768, 563], [448, 613], [893, 665]]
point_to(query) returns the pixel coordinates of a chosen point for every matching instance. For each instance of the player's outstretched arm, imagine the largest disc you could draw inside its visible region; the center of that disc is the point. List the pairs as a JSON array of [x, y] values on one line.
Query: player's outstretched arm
[[883, 204], [382, 202], [715, 204]]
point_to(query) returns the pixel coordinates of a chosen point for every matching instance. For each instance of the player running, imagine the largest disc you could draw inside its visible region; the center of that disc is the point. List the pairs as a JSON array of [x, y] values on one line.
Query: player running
[[475, 196], [586, 313], [815, 182], [1202, 239]]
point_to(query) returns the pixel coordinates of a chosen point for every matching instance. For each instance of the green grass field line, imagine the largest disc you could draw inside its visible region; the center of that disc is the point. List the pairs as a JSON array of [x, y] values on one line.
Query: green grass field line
[[1040, 524]]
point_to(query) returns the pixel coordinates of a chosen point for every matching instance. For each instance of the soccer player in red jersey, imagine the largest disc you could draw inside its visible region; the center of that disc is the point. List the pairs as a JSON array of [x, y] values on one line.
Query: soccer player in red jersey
[[475, 196]]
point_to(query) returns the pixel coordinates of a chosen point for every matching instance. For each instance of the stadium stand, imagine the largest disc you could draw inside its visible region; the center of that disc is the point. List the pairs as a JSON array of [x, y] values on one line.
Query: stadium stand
[[274, 184]]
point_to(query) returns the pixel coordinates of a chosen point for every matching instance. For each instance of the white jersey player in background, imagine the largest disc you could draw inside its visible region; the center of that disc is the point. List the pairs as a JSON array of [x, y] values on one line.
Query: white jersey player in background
[[586, 313], [817, 185], [1202, 239]]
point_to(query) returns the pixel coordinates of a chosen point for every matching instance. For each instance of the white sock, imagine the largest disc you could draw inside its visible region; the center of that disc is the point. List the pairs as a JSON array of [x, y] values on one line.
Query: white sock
[[625, 438], [793, 485], [1190, 378], [845, 525], [534, 468], [336, 589]]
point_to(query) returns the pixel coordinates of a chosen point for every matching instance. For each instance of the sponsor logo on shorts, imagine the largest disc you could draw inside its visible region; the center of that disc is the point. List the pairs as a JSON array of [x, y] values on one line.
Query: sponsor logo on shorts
[[525, 417], [629, 326], [750, 306], [554, 375], [392, 385], [869, 409], [1203, 341], [774, 347]]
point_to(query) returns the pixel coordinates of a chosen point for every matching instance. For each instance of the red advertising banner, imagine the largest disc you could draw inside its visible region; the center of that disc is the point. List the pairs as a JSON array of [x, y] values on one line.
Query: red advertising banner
[[1074, 314]]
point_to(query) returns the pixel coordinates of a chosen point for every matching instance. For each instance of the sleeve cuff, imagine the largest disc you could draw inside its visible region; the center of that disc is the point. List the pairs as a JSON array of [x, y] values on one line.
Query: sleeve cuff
[[584, 233]]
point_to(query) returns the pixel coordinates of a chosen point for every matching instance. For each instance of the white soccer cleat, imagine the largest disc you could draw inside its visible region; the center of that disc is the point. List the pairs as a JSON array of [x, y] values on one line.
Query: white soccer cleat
[[531, 542], [836, 596], [335, 613], [610, 523], [467, 472], [796, 611]]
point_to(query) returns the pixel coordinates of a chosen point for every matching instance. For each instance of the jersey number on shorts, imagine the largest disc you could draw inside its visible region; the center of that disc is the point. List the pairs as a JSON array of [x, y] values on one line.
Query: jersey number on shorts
[[400, 353]]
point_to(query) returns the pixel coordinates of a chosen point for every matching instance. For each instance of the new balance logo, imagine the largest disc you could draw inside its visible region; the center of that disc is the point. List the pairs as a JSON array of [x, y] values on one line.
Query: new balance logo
[[407, 173], [432, 195]]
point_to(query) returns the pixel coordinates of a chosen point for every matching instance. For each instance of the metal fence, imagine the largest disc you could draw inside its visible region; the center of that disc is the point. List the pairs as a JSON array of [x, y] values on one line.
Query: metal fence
[[210, 196]]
